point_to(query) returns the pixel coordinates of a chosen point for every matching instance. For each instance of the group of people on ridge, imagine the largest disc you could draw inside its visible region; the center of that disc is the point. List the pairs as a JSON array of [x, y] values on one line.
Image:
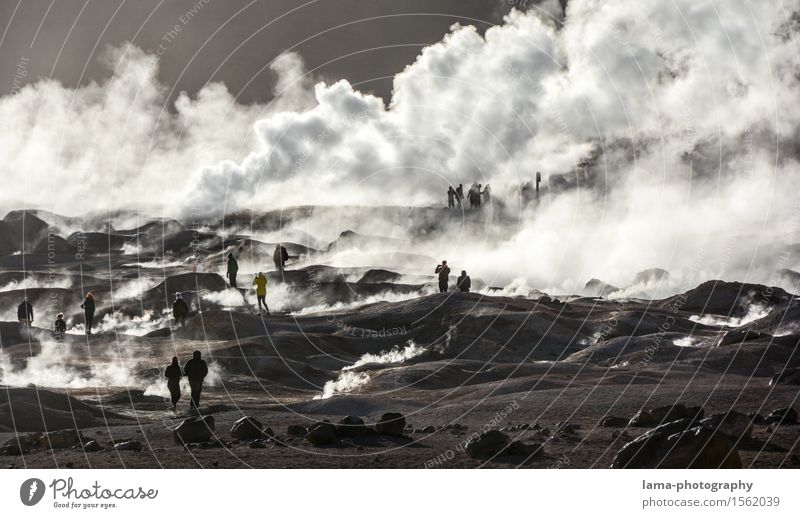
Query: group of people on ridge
[[475, 196], [25, 315], [463, 282]]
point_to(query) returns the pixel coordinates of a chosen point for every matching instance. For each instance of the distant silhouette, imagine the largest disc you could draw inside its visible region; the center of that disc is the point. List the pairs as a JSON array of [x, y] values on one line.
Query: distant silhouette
[[173, 374], [196, 370], [233, 269], [180, 310], [451, 197], [478, 196], [487, 194], [60, 325], [25, 313], [260, 282], [444, 273], [463, 283], [459, 194], [474, 196], [88, 312], [279, 257]]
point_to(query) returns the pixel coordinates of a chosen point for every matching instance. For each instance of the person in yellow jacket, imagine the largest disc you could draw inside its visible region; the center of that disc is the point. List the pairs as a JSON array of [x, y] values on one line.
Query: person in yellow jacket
[[260, 282]]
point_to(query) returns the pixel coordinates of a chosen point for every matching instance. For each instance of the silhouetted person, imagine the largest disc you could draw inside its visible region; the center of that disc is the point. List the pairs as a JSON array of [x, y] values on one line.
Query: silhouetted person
[[233, 269], [60, 325], [460, 194], [260, 282], [25, 313], [88, 312], [487, 194], [180, 310], [474, 196], [196, 370], [279, 257], [463, 283], [478, 196], [444, 273], [451, 197], [173, 374]]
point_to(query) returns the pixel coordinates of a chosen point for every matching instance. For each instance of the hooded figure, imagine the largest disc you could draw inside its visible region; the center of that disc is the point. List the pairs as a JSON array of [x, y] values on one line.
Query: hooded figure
[[173, 374], [451, 197], [260, 282], [487, 194], [60, 325], [25, 313], [463, 283], [88, 312], [474, 196], [196, 370], [279, 257], [460, 194], [444, 273], [180, 310], [233, 269]]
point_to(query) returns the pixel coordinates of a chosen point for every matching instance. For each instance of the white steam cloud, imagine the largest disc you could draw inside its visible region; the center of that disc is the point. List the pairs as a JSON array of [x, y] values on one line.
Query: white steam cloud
[[661, 128]]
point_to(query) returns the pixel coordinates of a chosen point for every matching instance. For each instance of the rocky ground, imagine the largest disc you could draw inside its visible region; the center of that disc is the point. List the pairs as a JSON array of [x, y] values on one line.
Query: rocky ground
[[368, 367]]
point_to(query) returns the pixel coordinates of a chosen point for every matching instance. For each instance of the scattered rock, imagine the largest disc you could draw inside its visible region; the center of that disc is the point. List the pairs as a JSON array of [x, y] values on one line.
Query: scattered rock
[[665, 414], [247, 428], [61, 439], [391, 424], [321, 434], [786, 377], [566, 428], [296, 430], [487, 445], [611, 421], [517, 448], [128, 446], [258, 443], [738, 336], [351, 426], [756, 418], [428, 429], [673, 446], [782, 416], [194, 429], [734, 425], [91, 447]]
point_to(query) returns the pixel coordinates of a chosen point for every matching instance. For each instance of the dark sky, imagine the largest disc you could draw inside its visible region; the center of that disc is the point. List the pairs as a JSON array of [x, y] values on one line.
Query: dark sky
[[60, 38]]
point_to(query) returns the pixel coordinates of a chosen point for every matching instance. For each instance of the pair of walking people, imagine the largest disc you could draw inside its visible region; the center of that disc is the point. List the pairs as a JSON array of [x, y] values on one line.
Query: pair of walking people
[[195, 370]]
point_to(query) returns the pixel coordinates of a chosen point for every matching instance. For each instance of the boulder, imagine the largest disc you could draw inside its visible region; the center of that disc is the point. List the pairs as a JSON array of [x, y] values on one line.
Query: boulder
[[351, 426], [487, 445], [296, 430], [611, 421], [91, 447], [732, 424], [679, 445], [247, 428], [321, 434], [128, 446], [428, 429], [392, 424], [520, 449], [786, 377], [665, 414], [782, 416], [194, 429], [61, 439]]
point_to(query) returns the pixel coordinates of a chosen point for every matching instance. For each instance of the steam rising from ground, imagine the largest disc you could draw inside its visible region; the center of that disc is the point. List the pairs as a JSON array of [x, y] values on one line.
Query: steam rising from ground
[[659, 126], [349, 380]]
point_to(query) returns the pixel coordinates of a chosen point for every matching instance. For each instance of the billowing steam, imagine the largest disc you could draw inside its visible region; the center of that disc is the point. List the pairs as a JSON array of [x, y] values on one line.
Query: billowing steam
[[349, 380], [660, 129]]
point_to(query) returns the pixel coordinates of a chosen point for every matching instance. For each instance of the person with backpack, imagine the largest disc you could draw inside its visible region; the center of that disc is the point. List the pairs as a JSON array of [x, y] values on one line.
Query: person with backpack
[[233, 269], [180, 310], [173, 374], [60, 325], [260, 282], [279, 257], [196, 370], [463, 283], [88, 307], [25, 313], [444, 275]]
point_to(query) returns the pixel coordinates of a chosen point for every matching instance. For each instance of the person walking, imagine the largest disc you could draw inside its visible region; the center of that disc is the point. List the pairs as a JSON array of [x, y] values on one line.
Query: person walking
[[460, 194], [196, 370], [487, 194], [25, 313], [260, 282], [279, 257], [233, 269], [444, 274], [463, 283], [88, 307], [180, 310], [173, 374], [451, 197]]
